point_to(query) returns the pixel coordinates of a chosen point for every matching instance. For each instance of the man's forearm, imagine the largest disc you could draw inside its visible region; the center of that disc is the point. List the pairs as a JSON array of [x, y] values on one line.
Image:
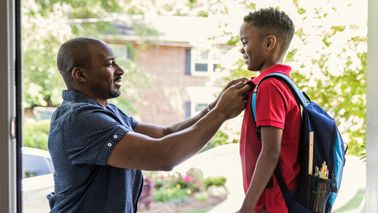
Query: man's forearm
[[166, 152], [194, 137]]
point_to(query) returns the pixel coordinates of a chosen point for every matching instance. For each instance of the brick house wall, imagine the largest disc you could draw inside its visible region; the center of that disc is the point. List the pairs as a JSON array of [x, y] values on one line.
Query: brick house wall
[[162, 101]]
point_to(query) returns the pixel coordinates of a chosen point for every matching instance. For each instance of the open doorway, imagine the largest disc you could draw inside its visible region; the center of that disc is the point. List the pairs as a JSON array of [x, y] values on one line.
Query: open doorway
[[42, 85]]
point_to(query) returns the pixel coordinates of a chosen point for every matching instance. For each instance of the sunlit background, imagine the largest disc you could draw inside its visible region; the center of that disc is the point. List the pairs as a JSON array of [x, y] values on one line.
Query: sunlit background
[[177, 56]]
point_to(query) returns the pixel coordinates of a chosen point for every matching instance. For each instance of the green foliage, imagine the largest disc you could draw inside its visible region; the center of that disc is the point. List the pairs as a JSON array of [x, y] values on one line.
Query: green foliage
[[28, 174], [203, 13], [354, 204], [202, 196], [35, 134], [233, 41], [290, 55], [215, 181], [170, 194], [191, 3], [143, 30], [61, 20], [301, 10], [173, 187], [251, 6], [220, 138], [46, 25], [341, 91], [343, 97]]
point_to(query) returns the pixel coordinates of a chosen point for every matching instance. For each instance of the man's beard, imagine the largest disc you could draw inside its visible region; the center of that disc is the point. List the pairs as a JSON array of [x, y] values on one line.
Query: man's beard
[[115, 93]]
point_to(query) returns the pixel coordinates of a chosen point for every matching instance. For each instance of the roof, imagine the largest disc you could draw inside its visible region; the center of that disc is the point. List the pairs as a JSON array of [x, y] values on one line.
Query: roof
[[172, 29]]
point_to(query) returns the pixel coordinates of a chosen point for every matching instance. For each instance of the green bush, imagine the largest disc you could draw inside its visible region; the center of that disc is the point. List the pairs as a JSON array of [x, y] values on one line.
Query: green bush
[[170, 194], [220, 138], [35, 134], [174, 187], [202, 196], [215, 181]]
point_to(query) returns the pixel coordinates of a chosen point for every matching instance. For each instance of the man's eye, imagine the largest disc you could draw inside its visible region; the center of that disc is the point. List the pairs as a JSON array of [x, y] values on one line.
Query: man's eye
[[110, 64]]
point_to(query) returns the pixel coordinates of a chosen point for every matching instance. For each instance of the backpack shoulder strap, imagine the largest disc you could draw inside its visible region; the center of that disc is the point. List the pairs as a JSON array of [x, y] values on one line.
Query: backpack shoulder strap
[[300, 96]]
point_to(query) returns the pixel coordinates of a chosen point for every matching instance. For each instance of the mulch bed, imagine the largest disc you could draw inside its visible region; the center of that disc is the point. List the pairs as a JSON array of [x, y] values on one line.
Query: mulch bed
[[183, 206]]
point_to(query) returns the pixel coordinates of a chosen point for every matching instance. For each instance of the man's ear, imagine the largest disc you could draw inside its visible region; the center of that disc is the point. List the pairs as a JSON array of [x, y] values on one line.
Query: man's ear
[[270, 42], [78, 75]]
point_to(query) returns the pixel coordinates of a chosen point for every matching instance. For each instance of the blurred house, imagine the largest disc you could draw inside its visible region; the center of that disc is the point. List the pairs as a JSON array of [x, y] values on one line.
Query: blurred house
[[181, 58]]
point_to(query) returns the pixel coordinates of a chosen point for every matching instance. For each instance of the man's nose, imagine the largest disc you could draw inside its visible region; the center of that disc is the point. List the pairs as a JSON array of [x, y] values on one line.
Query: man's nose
[[119, 70], [242, 51]]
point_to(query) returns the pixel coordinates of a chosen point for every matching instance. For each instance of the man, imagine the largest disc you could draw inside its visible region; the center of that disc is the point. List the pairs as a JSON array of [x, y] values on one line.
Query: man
[[98, 151]]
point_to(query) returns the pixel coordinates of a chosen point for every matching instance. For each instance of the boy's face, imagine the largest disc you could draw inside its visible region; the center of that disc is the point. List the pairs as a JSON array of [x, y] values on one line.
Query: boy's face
[[253, 50]]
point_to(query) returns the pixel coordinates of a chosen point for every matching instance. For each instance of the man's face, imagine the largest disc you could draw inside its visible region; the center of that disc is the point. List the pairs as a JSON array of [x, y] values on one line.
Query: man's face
[[252, 49], [104, 75]]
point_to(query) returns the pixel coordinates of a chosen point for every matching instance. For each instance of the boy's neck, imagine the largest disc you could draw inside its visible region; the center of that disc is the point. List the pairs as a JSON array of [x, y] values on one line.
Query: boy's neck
[[267, 65]]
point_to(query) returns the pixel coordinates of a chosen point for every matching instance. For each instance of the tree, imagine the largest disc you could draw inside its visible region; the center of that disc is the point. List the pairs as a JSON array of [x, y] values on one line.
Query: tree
[[328, 54], [46, 25]]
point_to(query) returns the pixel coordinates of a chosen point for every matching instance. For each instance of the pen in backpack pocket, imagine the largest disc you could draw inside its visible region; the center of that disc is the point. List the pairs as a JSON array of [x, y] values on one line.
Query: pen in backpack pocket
[[310, 153]]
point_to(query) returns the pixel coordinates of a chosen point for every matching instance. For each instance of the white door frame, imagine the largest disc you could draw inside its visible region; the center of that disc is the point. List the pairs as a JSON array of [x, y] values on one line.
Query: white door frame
[[372, 111]]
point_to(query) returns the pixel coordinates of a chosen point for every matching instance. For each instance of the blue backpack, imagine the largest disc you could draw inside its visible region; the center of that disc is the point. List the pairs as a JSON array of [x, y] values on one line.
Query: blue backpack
[[321, 156]]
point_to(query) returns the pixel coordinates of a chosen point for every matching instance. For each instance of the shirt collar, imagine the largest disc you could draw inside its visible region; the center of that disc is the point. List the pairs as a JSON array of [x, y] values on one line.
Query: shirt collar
[[282, 68], [72, 95]]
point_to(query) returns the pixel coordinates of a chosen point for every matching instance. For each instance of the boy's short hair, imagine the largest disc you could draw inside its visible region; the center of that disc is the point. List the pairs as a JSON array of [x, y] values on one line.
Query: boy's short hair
[[273, 21]]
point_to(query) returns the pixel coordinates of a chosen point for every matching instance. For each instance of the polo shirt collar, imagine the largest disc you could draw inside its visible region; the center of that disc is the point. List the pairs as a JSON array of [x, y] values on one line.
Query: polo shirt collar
[[282, 68], [72, 95]]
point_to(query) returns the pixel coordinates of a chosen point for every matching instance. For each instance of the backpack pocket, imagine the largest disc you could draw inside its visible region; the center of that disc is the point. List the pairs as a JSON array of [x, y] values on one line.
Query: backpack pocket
[[314, 193]]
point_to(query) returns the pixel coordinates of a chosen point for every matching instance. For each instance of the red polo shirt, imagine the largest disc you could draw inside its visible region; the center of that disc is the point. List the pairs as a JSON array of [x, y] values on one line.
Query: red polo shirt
[[276, 107]]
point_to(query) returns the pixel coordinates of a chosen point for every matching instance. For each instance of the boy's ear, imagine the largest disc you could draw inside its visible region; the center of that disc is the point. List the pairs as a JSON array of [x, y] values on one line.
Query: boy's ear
[[78, 74], [270, 42]]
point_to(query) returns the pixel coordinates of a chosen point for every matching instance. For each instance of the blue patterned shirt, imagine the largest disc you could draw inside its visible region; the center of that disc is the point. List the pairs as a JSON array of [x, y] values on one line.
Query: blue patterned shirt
[[82, 136]]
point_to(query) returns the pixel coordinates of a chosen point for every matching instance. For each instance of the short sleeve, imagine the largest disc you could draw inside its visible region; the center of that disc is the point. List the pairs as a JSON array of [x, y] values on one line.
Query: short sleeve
[[271, 104], [90, 133], [130, 121]]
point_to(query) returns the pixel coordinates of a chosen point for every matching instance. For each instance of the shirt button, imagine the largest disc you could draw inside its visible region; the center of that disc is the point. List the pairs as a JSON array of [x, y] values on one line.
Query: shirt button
[[115, 136], [110, 144]]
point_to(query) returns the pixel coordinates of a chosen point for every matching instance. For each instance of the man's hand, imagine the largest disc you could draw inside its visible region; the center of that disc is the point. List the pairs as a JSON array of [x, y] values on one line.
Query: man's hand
[[233, 82], [233, 100]]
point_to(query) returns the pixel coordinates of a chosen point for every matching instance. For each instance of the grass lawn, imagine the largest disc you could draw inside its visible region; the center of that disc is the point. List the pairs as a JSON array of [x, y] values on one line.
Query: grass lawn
[[353, 204]]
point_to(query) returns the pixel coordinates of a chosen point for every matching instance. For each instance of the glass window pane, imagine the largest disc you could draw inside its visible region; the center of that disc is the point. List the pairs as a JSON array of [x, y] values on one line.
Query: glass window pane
[[120, 51], [200, 67]]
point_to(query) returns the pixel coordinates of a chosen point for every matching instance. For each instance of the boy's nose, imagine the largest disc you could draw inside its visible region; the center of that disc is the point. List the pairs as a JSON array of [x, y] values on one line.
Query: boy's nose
[[242, 50]]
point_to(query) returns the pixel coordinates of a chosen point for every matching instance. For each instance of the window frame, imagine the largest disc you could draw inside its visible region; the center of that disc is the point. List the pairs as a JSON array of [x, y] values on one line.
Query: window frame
[[10, 108], [210, 61], [115, 47], [193, 106]]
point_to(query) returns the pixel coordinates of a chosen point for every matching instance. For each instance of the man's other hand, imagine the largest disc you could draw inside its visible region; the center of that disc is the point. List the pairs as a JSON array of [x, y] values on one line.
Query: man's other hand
[[233, 100]]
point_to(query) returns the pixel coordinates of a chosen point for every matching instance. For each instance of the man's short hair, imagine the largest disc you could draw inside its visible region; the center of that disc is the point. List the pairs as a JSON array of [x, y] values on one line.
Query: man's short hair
[[74, 53], [273, 21]]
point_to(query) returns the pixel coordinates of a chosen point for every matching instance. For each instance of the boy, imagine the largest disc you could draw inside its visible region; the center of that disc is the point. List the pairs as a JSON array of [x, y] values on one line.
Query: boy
[[266, 35]]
